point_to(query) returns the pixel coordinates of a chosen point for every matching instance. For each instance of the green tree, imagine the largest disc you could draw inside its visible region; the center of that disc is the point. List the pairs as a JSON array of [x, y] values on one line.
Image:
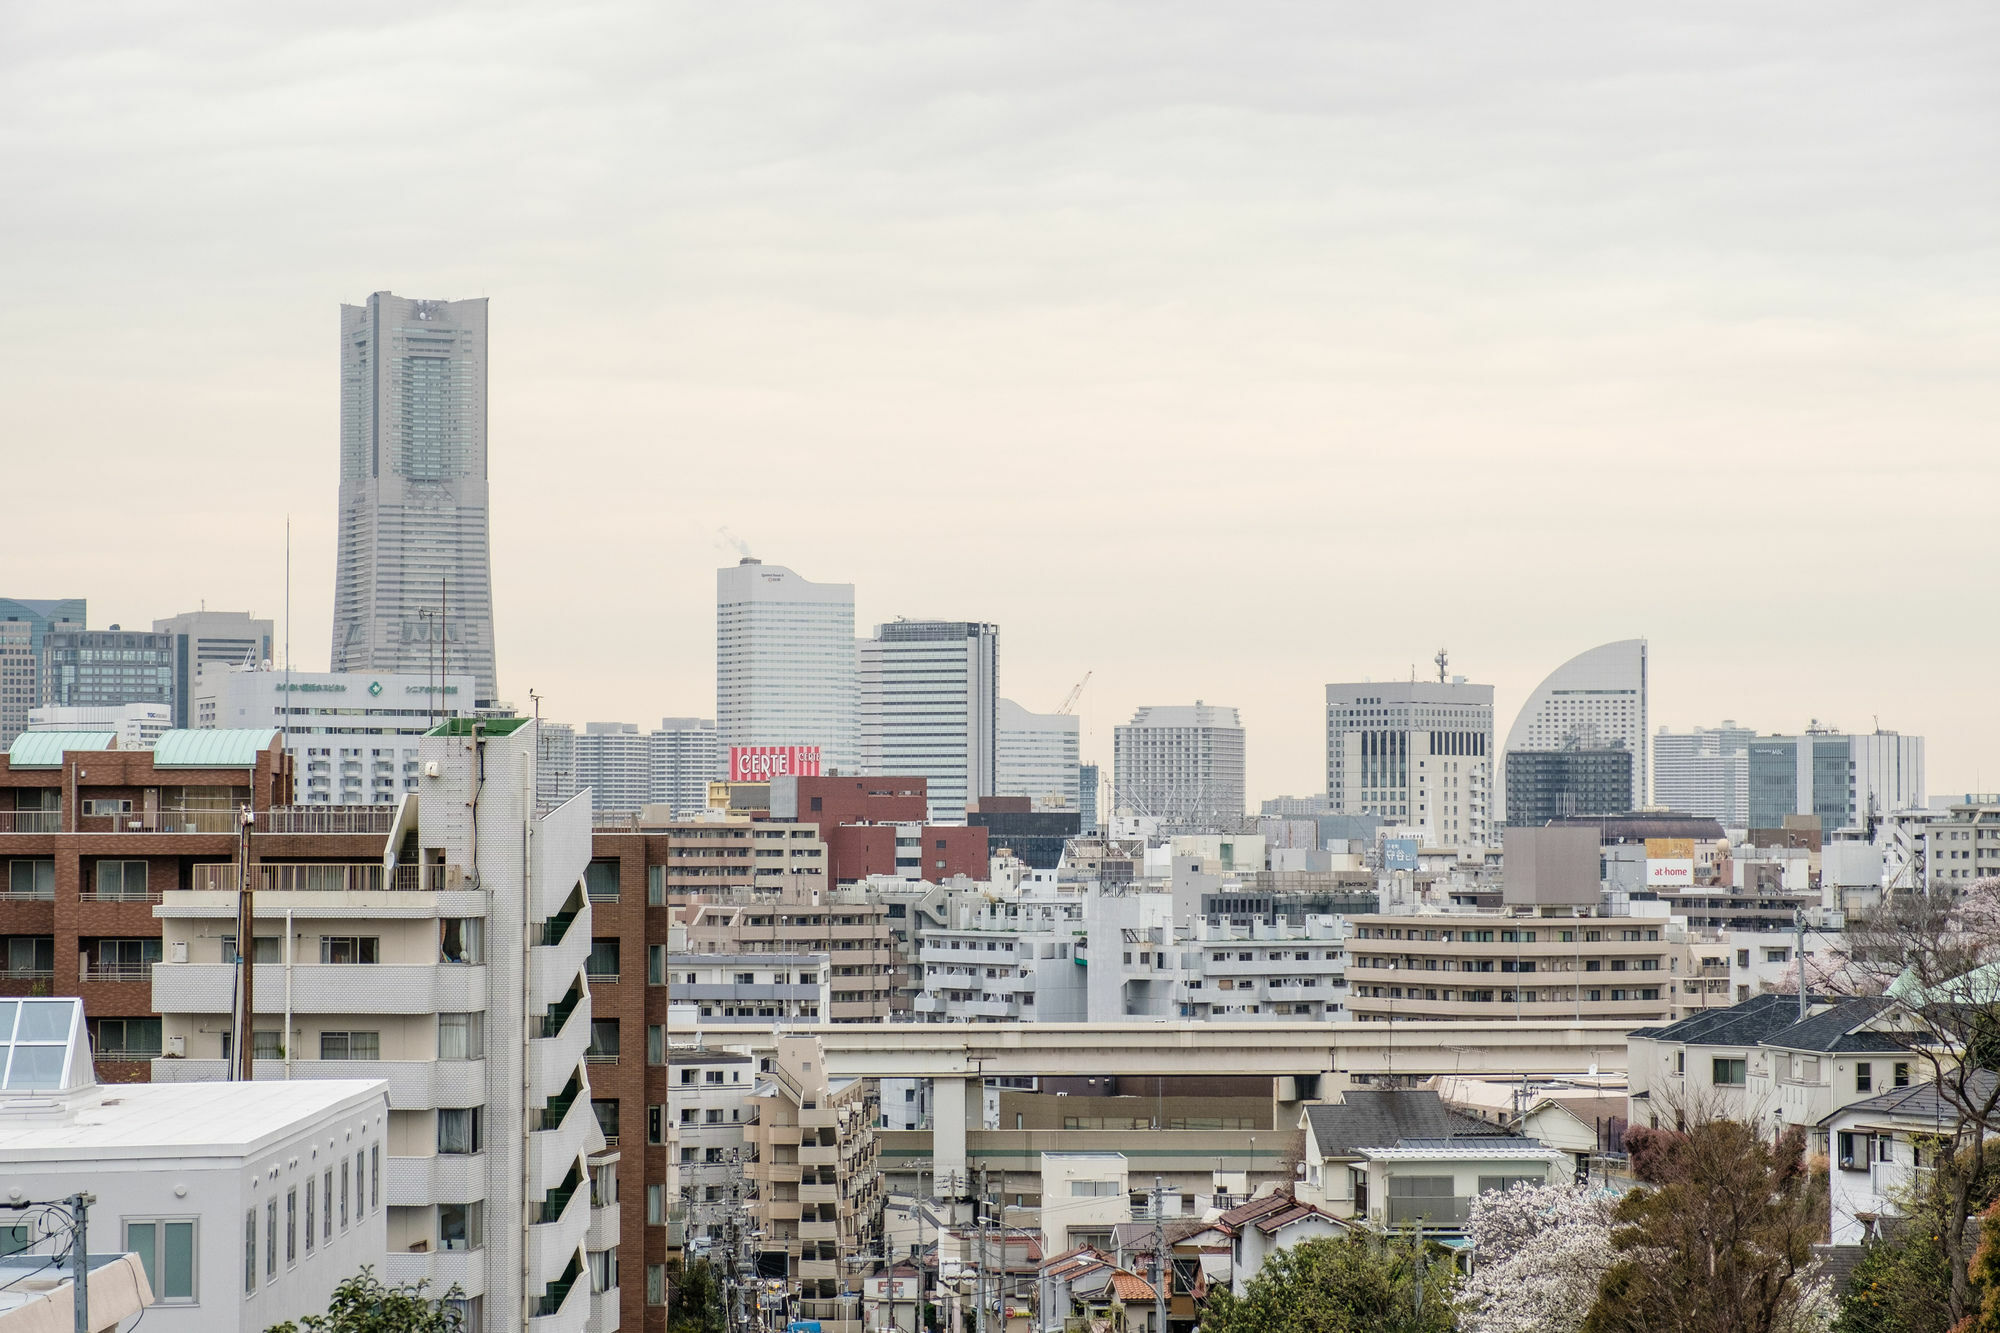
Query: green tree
[[362, 1304], [694, 1302], [1903, 1282], [1356, 1283], [1718, 1240]]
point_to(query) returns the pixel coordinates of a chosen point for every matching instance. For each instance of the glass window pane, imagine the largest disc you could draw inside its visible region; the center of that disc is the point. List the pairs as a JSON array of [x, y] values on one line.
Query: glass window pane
[[45, 1020], [139, 1239], [37, 1067], [179, 1261]]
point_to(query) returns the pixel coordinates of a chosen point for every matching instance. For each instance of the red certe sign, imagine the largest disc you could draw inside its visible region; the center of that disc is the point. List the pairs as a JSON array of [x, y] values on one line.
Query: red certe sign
[[761, 763]]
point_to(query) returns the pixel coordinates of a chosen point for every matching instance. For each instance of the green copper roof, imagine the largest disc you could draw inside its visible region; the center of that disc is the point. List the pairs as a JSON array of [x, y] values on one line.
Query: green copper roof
[[492, 726], [44, 749], [219, 748]]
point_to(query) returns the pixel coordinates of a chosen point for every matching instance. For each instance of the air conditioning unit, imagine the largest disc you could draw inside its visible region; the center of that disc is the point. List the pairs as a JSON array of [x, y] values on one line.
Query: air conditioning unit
[[432, 768], [178, 951]]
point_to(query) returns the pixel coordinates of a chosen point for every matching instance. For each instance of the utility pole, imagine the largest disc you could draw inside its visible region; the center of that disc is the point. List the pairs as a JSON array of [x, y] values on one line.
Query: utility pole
[[979, 1263], [245, 1068], [1799, 952], [1160, 1265], [79, 1257]]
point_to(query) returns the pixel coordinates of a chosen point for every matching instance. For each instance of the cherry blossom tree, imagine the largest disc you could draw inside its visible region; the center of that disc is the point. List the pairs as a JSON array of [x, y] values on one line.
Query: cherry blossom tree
[[1538, 1253]]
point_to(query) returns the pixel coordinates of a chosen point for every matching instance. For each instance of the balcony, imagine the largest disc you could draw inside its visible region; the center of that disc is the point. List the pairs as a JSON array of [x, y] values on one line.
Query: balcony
[[30, 821], [565, 1304], [440, 1177], [413, 1084], [443, 1269], [553, 1152], [94, 972], [1450, 1213], [604, 1311], [313, 877], [323, 988], [329, 819]]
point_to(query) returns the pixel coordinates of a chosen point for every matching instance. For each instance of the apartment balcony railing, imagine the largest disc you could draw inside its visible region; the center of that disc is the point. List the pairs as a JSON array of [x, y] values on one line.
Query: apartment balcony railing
[[313, 877], [328, 819], [39, 893], [1431, 1212], [558, 1291], [119, 896], [116, 972], [27, 974], [30, 821]]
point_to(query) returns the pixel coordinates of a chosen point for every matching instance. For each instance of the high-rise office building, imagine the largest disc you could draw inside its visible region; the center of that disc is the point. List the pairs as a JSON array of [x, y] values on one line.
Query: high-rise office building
[[927, 704], [95, 668], [23, 624], [784, 662], [1560, 784], [1594, 701], [1088, 777], [611, 760], [414, 579], [1705, 772], [1037, 756], [1414, 752], [682, 758], [1181, 765], [1847, 780], [227, 639]]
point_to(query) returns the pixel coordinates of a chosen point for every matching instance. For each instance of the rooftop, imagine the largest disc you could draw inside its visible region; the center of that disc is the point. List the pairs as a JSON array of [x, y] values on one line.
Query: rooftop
[[142, 1120], [215, 748], [490, 726], [1378, 1117], [45, 749], [1843, 1028]]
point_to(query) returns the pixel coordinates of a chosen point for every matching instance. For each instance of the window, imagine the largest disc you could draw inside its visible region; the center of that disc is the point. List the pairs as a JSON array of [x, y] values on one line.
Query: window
[[291, 1227], [656, 1043], [1902, 1074], [461, 1226], [462, 939], [600, 881], [602, 965], [326, 1206], [656, 1205], [1488, 1184], [166, 1250], [267, 1044], [607, 1117], [656, 886], [249, 1251], [462, 1036], [121, 879], [603, 1269], [309, 1214], [350, 949], [31, 879], [1092, 1189], [375, 1175], [270, 1239], [603, 1040], [1864, 1077], [458, 1130], [125, 1038], [1729, 1073], [656, 965], [656, 1274], [360, 1185], [343, 1194], [656, 1123], [350, 1046]]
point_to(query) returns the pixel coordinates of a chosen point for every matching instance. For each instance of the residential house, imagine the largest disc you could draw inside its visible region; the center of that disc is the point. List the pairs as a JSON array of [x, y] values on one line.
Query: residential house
[[1881, 1146]]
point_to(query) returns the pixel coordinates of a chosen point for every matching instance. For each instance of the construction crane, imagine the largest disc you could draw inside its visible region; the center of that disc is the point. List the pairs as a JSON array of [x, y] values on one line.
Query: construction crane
[[1069, 704]]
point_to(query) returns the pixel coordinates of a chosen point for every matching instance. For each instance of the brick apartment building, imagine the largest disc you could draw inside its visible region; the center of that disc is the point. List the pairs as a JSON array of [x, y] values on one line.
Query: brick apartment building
[[877, 826]]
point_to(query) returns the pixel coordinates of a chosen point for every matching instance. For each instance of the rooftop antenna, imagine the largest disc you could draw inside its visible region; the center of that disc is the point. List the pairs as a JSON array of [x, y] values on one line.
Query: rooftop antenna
[[285, 713], [1442, 659]]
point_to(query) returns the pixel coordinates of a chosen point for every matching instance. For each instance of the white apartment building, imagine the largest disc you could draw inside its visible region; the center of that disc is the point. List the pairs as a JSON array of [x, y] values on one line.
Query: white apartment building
[[761, 988], [414, 576], [463, 986], [1964, 845], [708, 1094], [1705, 772], [683, 757], [138, 726], [613, 762], [1037, 756], [1594, 701], [1019, 961], [1414, 753], [1180, 765], [247, 1205], [784, 662], [354, 737], [927, 700]]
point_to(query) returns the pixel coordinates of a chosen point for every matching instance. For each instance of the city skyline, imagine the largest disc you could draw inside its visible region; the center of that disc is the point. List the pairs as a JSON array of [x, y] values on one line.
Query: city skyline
[[1194, 371]]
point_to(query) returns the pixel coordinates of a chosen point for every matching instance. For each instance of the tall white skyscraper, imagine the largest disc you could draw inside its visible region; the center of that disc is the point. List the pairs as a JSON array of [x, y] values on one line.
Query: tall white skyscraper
[[927, 701], [1705, 772], [1037, 756], [612, 760], [784, 662], [414, 570], [1414, 752], [1594, 701], [1180, 765]]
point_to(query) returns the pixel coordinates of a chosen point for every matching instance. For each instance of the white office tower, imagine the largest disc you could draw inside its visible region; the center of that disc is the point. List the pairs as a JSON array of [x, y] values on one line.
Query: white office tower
[[448, 959], [784, 662], [1037, 756], [225, 640], [1180, 765], [927, 699], [414, 578], [1705, 772], [353, 738], [1417, 753], [683, 757], [1594, 701], [612, 762]]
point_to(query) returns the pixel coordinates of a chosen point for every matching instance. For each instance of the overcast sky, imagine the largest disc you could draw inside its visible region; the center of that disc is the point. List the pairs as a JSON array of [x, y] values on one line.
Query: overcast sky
[[1220, 349]]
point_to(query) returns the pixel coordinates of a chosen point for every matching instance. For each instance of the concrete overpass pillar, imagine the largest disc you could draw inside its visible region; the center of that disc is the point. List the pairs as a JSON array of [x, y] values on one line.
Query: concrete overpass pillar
[[949, 1095]]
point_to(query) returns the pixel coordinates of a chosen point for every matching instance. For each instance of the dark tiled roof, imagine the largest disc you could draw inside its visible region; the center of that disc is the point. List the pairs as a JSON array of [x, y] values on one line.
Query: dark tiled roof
[[1380, 1118], [1922, 1101], [1840, 1029], [1743, 1024]]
